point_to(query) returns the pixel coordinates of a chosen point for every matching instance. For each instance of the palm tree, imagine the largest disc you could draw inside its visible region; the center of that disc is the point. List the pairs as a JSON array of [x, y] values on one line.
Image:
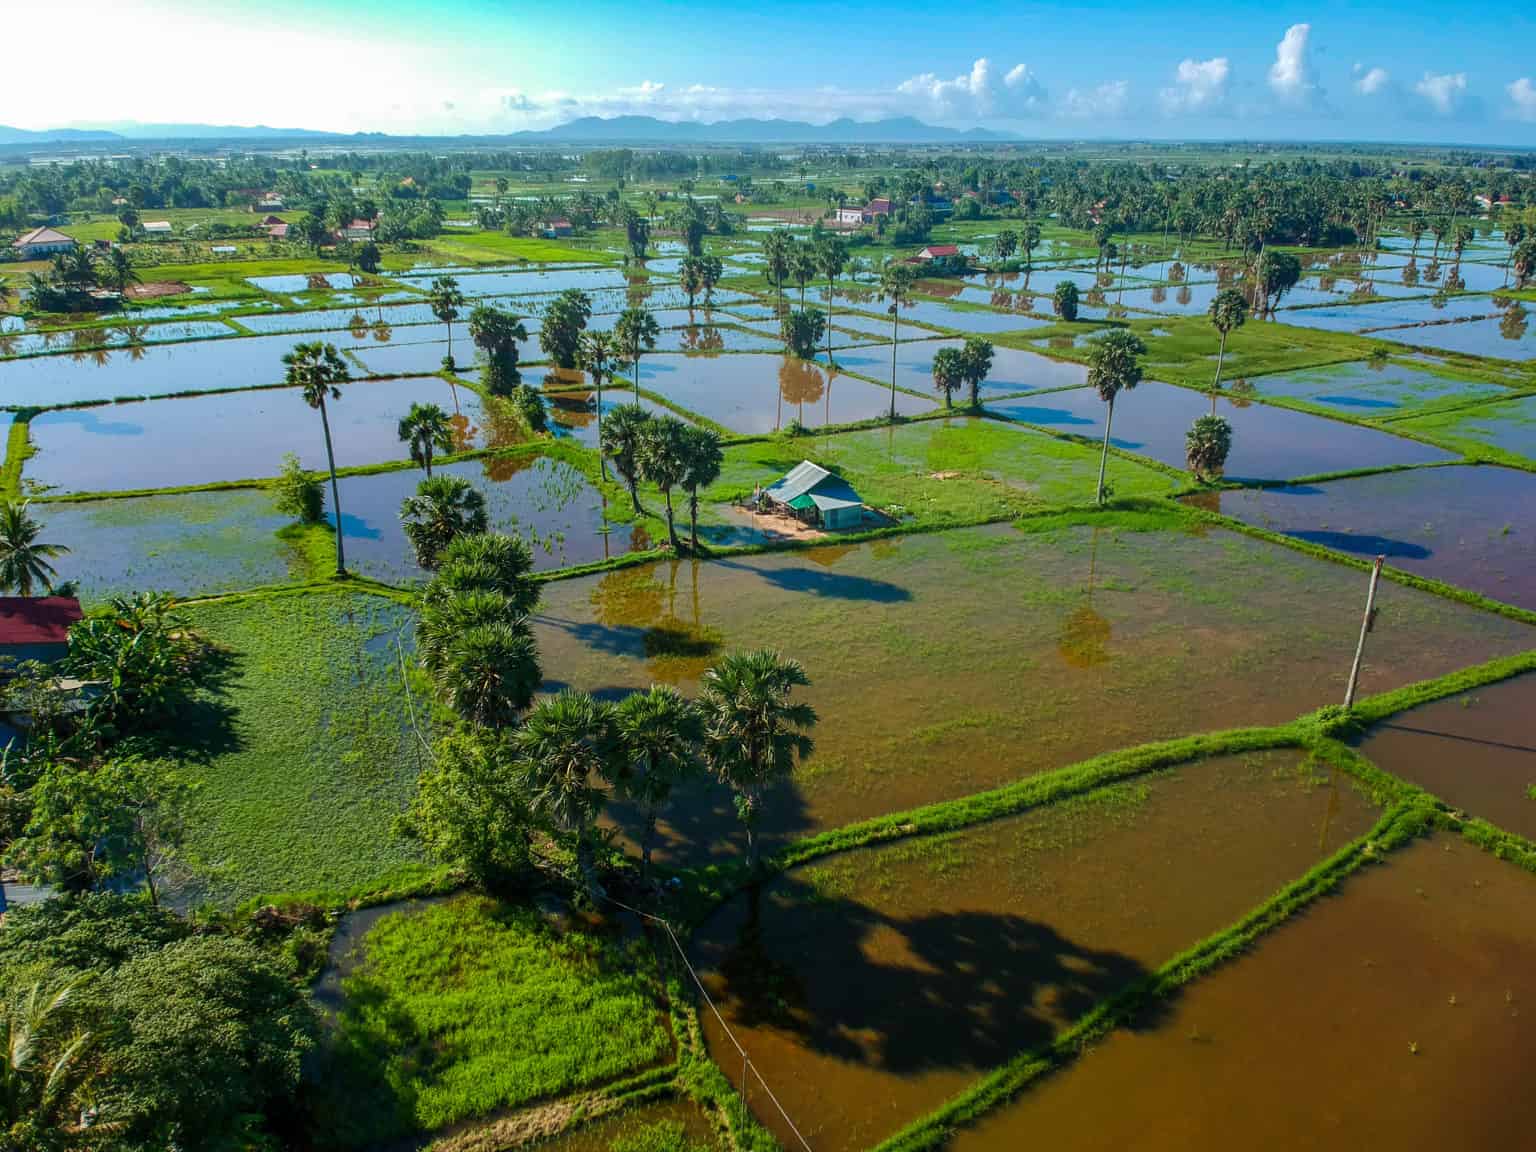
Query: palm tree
[[426, 427], [1113, 365], [43, 1067], [497, 334], [948, 373], [896, 286], [447, 301], [754, 736], [690, 278], [663, 461], [490, 672], [975, 364], [777, 251], [661, 733], [636, 332], [597, 357], [567, 749], [119, 272], [1206, 446], [1229, 311], [710, 271], [317, 369], [23, 559], [487, 562], [803, 267], [443, 509], [704, 457], [621, 441], [831, 259]]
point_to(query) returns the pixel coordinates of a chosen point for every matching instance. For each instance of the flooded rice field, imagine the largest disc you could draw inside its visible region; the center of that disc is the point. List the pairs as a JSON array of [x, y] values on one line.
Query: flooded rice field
[[476, 284], [870, 988], [361, 320], [573, 415], [1506, 424], [1476, 751], [546, 502], [84, 344], [1391, 314], [239, 435], [944, 664], [667, 1125], [1267, 442], [1369, 386], [1511, 336], [1470, 526], [707, 338], [304, 282], [1012, 370], [1394, 1014], [754, 392]]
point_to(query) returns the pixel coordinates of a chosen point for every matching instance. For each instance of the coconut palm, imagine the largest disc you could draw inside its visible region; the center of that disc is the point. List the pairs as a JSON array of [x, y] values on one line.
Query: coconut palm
[[442, 509], [118, 272], [1206, 445], [636, 332], [704, 458], [23, 558], [621, 441], [447, 301], [317, 370], [1229, 311], [661, 733], [831, 259], [948, 373], [598, 353], [426, 428], [43, 1066], [663, 461], [896, 286], [754, 735], [567, 750], [1114, 365]]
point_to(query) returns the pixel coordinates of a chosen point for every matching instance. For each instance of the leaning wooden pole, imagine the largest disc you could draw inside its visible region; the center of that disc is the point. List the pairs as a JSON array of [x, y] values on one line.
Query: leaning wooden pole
[[1365, 627]]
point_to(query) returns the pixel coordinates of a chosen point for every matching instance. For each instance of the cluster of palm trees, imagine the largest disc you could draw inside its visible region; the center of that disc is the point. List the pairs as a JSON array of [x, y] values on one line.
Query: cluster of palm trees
[[698, 275], [664, 451], [963, 367]]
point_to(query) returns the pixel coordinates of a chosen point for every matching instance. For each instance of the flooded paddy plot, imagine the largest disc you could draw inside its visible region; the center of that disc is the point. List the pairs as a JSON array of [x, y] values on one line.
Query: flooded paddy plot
[[304, 282], [940, 315], [754, 392], [1369, 386], [193, 544], [548, 503], [238, 435], [946, 663], [1511, 336], [870, 988], [1389, 314], [669, 1125], [1393, 1014], [1506, 424], [363, 321], [1475, 751], [1470, 526], [418, 357], [1013, 370], [573, 415], [82, 344], [1268, 443], [706, 339], [513, 283]]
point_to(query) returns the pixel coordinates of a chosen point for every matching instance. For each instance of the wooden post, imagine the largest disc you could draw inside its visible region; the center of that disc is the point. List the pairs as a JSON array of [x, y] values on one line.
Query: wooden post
[[1365, 626]]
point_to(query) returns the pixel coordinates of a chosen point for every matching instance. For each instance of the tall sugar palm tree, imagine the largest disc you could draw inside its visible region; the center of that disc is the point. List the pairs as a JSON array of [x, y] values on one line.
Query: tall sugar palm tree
[[636, 331], [803, 267], [664, 462], [896, 286], [948, 373], [482, 656], [318, 370], [447, 302], [831, 260], [705, 458], [1206, 446], [597, 357], [23, 558], [1229, 311], [426, 428], [487, 562], [623, 439], [1114, 366], [661, 733], [443, 509], [568, 749], [690, 278], [778, 249], [754, 734]]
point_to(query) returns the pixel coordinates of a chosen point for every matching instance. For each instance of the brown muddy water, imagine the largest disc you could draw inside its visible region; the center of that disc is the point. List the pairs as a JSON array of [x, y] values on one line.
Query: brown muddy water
[[667, 1125], [1476, 751], [870, 988], [948, 663], [1396, 1014]]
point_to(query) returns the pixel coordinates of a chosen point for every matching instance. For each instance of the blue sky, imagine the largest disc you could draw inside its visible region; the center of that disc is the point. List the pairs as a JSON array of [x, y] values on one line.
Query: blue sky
[[1405, 71]]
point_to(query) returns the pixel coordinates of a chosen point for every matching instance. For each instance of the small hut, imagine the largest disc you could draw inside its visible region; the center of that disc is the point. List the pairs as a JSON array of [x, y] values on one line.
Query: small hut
[[811, 494]]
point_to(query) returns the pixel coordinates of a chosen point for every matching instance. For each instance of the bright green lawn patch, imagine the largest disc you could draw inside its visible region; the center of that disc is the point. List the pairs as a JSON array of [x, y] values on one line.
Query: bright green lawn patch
[[992, 469], [1501, 431], [305, 755], [1187, 353], [498, 248], [473, 1005]]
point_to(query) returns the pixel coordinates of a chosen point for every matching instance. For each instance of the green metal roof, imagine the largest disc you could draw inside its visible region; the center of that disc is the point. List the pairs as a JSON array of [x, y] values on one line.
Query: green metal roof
[[808, 484]]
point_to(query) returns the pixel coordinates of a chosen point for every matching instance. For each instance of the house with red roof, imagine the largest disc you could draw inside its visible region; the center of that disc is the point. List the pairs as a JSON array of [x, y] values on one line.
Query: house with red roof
[[36, 627], [938, 252]]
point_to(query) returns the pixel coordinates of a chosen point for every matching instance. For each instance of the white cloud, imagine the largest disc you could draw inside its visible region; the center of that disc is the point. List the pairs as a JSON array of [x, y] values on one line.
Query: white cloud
[[1104, 102], [1199, 86], [1522, 96], [1291, 77], [975, 92], [1444, 92], [1369, 82]]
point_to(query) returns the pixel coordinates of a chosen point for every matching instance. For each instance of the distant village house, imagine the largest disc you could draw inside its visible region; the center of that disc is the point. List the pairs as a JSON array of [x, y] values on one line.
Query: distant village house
[[36, 627], [556, 229], [42, 242], [811, 494]]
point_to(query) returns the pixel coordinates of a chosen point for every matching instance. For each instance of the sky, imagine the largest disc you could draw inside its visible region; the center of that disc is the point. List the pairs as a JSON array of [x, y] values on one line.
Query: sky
[[1405, 71]]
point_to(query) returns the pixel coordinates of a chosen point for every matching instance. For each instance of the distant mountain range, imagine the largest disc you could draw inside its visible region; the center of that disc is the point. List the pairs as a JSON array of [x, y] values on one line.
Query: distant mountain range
[[586, 130]]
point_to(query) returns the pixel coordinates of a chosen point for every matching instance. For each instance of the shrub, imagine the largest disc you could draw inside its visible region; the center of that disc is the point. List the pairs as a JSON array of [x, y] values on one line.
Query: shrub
[[298, 494]]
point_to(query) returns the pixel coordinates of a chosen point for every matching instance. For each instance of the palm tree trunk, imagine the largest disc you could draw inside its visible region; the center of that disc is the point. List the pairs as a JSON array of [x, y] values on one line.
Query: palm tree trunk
[[1109, 419], [693, 518], [602, 461], [895, 330], [426, 457], [450, 342], [832, 288], [330, 459], [637, 377], [647, 839], [671, 531], [634, 496]]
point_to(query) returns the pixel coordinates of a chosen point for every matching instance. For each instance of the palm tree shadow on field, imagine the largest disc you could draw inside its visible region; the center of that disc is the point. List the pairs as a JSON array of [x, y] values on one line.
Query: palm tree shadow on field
[[201, 724]]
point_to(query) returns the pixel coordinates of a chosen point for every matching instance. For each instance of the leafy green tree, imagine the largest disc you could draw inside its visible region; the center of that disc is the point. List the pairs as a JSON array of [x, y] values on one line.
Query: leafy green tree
[[93, 932], [975, 365], [442, 509], [754, 734], [498, 333], [1279, 272], [803, 329], [704, 458], [896, 278], [1114, 366], [565, 319], [314, 231], [426, 429], [369, 259], [637, 233], [447, 302], [23, 557], [144, 655], [663, 461], [568, 749], [1229, 312], [318, 370], [831, 260], [297, 493], [1064, 300], [622, 441], [487, 562], [948, 373], [661, 733], [1525, 262], [636, 331], [1206, 446]]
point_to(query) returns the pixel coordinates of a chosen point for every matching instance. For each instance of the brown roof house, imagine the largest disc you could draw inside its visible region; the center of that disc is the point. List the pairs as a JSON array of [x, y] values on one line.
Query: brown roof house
[[41, 242]]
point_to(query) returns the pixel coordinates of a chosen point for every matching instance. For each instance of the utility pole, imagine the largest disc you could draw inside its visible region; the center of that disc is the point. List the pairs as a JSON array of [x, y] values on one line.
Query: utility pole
[[1365, 626]]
